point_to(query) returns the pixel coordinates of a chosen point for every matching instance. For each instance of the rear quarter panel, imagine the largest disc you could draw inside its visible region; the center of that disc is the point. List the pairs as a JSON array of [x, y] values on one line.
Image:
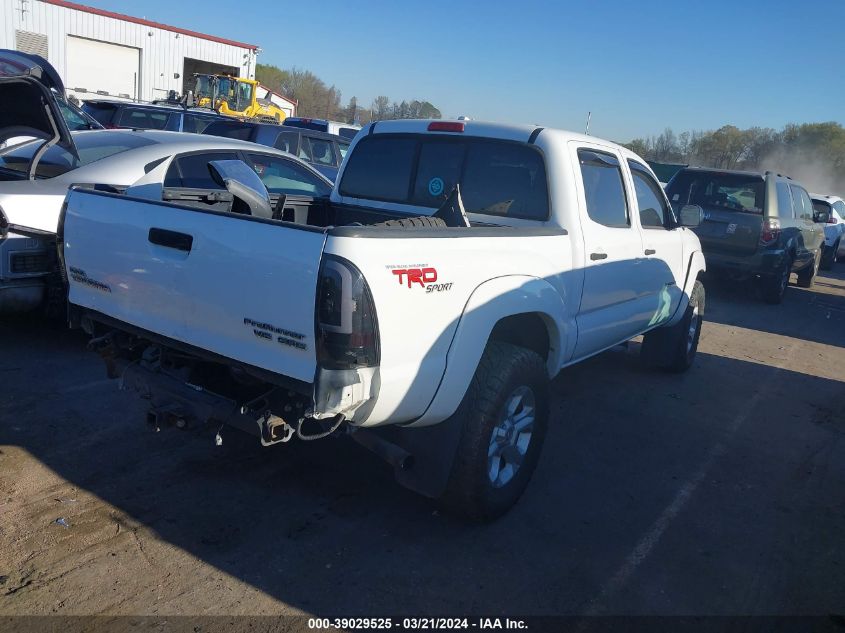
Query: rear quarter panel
[[418, 316]]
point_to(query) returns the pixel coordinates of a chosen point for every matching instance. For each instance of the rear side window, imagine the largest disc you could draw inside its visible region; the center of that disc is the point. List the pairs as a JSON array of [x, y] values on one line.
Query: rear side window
[[784, 201], [801, 204], [287, 142], [191, 171], [196, 124], [101, 112], [143, 119], [654, 212], [496, 177], [820, 206], [239, 131], [603, 188], [322, 152], [282, 175]]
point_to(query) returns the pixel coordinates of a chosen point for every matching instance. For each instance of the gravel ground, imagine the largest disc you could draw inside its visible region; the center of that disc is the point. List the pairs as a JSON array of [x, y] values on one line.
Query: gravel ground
[[721, 491]]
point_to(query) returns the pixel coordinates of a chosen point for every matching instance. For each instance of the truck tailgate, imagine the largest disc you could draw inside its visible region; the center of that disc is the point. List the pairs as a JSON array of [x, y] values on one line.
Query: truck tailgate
[[231, 284]]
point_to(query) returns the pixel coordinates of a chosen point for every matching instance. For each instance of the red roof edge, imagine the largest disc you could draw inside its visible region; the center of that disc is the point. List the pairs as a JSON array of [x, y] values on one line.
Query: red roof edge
[[150, 23]]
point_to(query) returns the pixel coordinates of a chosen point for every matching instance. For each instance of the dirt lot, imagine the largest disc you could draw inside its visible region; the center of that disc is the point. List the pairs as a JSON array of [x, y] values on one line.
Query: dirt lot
[[721, 491]]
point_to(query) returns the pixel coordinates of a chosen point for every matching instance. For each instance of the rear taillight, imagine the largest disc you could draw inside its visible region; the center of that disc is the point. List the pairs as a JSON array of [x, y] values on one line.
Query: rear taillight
[[346, 328], [770, 232]]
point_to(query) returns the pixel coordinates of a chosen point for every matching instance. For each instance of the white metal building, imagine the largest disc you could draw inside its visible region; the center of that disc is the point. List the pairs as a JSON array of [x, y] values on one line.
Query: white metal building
[[112, 54]]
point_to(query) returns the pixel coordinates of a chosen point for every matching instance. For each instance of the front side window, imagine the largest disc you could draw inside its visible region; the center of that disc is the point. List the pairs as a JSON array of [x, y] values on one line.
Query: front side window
[[654, 212], [603, 188], [228, 129], [281, 175], [196, 124], [496, 177], [840, 208], [342, 148], [820, 206], [191, 171]]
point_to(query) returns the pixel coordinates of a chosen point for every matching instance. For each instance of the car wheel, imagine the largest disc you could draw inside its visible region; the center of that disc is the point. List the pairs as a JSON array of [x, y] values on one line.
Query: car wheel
[[807, 277], [828, 257], [504, 420], [773, 288], [673, 348]]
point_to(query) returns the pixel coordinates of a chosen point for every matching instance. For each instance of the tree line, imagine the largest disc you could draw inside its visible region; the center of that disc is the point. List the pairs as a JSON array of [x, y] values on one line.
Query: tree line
[[811, 152], [317, 99]]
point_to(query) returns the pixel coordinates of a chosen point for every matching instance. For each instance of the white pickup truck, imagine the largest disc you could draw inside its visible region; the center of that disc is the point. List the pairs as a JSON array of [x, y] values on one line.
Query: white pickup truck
[[428, 334]]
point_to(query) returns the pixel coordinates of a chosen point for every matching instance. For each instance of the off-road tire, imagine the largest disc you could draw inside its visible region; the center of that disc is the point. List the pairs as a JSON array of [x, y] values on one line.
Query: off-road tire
[[673, 348], [419, 222], [807, 277], [503, 369], [773, 288], [829, 257]]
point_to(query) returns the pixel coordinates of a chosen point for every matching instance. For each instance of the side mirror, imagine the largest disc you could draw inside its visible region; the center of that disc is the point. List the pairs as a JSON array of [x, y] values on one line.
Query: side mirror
[[822, 217], [244, 184], [691, 215]]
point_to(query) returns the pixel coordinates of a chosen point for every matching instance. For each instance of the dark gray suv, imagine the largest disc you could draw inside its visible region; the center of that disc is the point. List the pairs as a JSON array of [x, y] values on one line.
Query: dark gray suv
[[759, 225]]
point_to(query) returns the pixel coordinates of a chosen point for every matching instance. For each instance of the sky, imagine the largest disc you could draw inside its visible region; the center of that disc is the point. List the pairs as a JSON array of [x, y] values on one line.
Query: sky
[[638, 65]]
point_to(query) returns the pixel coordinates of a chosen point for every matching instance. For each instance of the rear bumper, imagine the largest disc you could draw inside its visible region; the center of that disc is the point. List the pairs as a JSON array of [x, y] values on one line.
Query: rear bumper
[[761, 263], [25, 261]]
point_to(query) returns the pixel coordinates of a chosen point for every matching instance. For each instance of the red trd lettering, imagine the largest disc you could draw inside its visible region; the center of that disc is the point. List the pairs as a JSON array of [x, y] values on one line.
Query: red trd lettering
[[415, 275], [399, 272]]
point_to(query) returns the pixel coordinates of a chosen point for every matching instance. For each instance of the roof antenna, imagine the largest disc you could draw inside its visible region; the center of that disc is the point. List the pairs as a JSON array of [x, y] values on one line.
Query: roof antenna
[[587, 129]]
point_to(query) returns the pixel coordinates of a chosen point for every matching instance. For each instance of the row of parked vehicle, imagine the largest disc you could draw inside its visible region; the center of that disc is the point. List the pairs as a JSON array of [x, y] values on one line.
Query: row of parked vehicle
[[420, 304]]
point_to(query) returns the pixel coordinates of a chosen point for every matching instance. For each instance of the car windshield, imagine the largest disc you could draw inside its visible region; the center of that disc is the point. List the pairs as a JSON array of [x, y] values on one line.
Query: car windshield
[[91, 146], [718, 190]]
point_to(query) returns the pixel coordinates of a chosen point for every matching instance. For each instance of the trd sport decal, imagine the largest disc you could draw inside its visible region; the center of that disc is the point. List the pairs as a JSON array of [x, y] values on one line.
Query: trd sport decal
[[420, 275]]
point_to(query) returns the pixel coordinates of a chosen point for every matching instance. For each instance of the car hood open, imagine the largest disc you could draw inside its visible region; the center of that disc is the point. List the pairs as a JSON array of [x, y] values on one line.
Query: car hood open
[[29, 87]]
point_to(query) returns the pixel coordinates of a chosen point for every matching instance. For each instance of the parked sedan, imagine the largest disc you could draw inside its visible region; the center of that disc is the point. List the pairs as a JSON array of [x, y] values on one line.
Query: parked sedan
[[834, 229], [323, 151]]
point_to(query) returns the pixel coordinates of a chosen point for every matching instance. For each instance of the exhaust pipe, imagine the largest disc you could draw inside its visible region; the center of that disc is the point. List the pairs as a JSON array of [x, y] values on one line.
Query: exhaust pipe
[[393, 454]]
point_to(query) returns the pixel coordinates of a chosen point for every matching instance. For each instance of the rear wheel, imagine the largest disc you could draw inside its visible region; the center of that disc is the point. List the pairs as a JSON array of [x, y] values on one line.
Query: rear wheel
[[773, 288], [504, 415], [673, 348], [807, 277]]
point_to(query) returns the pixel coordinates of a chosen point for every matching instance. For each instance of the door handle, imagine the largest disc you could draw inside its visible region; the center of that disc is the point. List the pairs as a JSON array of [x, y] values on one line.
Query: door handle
[[597, 256], [650, 251], [171, 239]]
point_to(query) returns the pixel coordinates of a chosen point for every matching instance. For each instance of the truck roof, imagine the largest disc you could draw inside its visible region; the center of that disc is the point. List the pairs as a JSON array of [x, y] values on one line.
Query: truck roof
[[487, 129]]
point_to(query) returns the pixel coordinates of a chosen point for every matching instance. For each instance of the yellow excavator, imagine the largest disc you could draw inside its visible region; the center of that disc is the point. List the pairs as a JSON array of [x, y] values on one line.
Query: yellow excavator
[[236, 97]]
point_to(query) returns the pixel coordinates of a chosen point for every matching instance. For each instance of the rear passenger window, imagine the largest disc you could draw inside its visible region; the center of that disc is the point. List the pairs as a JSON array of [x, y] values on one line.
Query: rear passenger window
[[322, 152], [191, 171], [784, 201], [801, 203], [282, 175], [654, 212], [603, 189]]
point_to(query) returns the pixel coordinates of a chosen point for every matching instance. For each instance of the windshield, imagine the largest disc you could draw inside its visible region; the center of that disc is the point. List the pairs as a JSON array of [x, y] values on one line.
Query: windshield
[[731, 192], [91, 146], [202, 89]]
